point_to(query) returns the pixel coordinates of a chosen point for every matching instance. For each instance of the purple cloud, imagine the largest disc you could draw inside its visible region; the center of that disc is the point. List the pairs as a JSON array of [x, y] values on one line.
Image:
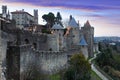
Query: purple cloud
[[77, 4], [93, 15], [105, 13]]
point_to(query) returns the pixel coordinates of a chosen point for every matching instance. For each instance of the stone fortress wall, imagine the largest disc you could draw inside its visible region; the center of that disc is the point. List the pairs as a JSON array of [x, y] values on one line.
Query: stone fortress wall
[[5, 39], [23, 58], [47, 52], [45, 61]]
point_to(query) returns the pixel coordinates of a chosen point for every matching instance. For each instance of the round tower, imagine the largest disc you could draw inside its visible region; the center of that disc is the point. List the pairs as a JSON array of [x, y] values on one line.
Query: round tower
[[83, 47], [75, 30], [88, 32], [58, 31]]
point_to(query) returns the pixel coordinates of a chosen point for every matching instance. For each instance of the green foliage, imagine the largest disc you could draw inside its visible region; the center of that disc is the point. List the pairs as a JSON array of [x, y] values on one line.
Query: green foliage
[[116, 62], [58, 18], [94, 76], [117, 58], [46, 31], [49, 18], [55, 77], [69, 74], [109, 62], [100, 46], [105, 58], [79, 68]]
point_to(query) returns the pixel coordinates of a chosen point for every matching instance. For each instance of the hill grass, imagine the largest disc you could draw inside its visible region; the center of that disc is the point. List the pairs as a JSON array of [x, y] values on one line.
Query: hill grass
[[94, 76]]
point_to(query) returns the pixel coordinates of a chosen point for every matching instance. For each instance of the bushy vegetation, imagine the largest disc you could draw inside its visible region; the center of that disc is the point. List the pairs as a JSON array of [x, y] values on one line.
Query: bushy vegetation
[[105, 58], [49, 18], [109, 61], [55, 77], [79, 68], [46, 31], [94, 76]]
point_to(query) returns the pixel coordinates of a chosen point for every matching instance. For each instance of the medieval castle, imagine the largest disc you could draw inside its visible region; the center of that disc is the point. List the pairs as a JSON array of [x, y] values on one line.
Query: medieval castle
[[22, 46]]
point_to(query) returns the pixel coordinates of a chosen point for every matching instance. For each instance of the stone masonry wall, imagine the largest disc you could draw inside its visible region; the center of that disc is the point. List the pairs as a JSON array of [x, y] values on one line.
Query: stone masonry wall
[[52, 43], [45, 61], [22, 58]]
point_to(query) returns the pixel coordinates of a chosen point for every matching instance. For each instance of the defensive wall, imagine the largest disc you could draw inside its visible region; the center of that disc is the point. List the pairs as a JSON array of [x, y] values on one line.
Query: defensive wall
[[23, 58]]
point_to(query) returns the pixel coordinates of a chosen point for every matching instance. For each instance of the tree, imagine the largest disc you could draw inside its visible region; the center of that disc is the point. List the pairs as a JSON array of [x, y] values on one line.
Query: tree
[[105, 58], [58, 18], [49, 18], [79, 68]]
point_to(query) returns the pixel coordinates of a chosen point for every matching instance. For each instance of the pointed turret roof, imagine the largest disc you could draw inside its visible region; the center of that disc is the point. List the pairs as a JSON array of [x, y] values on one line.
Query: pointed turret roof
[[72, 23], [87, 24], [57, 26], [83, 41]]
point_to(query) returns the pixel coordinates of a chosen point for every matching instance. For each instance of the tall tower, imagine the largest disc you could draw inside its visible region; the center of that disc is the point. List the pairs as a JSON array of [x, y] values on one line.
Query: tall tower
[[88, 32], [35, 16], [75, 30], [4, 11], [58, 30], [83, 46]]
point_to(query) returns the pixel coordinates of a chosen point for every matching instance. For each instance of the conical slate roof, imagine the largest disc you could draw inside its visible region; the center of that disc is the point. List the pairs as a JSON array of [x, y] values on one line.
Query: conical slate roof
[[83, 42], [57, 26], [72, 23]]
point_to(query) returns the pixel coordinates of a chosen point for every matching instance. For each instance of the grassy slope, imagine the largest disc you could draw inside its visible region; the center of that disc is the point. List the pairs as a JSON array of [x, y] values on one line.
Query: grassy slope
[[55, 77], [94, 76]]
